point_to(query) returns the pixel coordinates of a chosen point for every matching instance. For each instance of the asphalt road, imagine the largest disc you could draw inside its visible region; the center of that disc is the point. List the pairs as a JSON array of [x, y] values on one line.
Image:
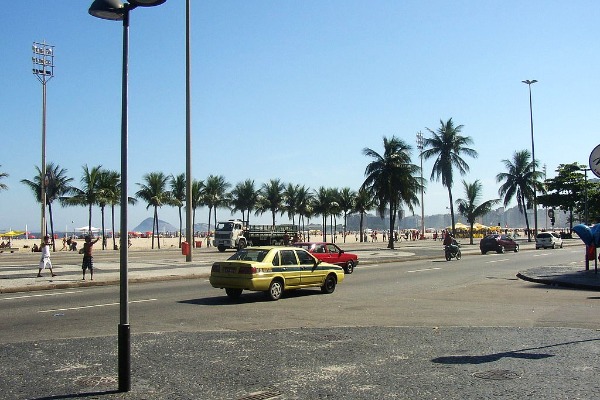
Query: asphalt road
[[416, 329]]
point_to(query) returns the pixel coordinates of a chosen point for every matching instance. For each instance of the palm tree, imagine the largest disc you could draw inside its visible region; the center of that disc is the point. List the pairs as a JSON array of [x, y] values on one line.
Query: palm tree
[[290, 202], [197, 192], [58, 185], [270, 198], [154, 192], [447, 145], [304, 206], [391, 178], [215, 195], [108, 186], [178, 197], [244, 198], [346, 202], [364, 202], [89, 194], [321, 205], [112, 196], [468, 207], [2, 176], [520, 181]]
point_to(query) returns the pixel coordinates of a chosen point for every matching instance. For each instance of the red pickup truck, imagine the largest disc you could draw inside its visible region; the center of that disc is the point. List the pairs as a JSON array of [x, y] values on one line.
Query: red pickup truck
[[331, 253]]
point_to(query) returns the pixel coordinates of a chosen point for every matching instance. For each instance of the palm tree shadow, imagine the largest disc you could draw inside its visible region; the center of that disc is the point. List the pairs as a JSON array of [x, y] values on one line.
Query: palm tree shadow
[[486, 358]]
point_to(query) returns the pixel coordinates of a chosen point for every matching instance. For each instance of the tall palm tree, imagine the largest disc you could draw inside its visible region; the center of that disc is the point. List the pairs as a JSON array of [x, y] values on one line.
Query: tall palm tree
[[2, 176], [215, 195], [290, 201], [271, 198], [304, 209], [178, 184], [89, 193], [154, 193], [469, 208], [244, 198], [321, 205], [447, 145], [108, 186], [197, 193], [364, 202], [58, 185], [520, 181], [334, 212], [391, 178], [346, 202], [112, 196]]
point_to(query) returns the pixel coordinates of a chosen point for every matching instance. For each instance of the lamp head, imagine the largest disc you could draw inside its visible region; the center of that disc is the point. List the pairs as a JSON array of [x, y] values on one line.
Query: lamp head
[[146, 3], [108, 9]]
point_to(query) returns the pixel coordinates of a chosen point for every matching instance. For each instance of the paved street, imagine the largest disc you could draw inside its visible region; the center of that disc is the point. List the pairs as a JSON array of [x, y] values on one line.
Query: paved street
[[367, 361]]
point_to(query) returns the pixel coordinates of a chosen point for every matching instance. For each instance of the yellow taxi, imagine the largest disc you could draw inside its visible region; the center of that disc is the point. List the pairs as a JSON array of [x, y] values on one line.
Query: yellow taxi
[[273, 269]]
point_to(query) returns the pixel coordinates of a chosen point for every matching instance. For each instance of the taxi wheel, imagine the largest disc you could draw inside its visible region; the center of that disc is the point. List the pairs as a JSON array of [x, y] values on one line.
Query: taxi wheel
[[233, 293], [349, 267], [329, 285], [275, 290]]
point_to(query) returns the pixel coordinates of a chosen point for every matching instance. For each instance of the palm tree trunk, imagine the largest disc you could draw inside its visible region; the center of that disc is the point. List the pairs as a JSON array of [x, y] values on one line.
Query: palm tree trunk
[[112, 217], [362, 217], [157, 232], [102, 219], [90, 218], [180, 226], [452, 212], [526, 218], [392, 218], [51, 226]]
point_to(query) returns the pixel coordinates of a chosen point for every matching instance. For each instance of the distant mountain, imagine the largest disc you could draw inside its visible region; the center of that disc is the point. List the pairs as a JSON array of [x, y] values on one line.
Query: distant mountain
[[163, 226]]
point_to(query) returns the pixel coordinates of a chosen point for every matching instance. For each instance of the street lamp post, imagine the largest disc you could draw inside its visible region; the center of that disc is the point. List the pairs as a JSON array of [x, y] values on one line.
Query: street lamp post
[[420, 147], [189, 224], [43, 69], [585, 204], [529, 83], [116, 11]]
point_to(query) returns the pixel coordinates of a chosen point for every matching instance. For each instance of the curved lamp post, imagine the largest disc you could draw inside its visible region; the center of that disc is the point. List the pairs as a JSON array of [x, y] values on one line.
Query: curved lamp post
[[115, 10]]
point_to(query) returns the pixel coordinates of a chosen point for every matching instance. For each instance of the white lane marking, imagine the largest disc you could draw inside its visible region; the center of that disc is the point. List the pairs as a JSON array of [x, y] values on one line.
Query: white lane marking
[[40, 295], [495, 261], [93, 306], [423, 270]]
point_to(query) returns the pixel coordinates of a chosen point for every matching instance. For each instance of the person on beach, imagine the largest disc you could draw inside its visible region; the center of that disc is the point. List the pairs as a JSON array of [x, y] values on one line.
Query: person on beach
[[88, 260], [45, 260]]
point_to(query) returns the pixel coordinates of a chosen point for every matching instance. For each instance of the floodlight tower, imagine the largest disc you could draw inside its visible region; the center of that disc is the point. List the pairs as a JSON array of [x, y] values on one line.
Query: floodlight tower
[[43, 69]]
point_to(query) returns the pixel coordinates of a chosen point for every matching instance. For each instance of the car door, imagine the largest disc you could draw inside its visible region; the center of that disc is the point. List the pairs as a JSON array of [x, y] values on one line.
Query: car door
[[311, 274], [291, 271], [334, 255]]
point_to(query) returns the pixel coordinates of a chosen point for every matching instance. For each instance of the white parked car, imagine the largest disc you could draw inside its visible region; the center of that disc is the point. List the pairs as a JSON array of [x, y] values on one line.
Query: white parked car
[[548, 239]]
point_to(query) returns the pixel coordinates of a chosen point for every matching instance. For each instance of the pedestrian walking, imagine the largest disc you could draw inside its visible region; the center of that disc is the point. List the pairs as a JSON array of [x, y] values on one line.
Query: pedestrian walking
[[45, 260], [88, 260]]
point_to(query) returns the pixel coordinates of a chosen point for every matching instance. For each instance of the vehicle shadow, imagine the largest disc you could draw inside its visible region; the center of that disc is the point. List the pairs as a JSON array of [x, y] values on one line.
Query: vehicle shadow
[[250, 298]]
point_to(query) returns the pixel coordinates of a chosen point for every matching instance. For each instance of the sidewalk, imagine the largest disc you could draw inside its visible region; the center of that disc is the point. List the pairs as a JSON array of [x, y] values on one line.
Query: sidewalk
[[18, 271]]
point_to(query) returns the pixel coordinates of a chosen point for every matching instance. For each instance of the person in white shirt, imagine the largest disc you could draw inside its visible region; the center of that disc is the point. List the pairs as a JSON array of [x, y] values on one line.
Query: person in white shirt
[[45, 260]]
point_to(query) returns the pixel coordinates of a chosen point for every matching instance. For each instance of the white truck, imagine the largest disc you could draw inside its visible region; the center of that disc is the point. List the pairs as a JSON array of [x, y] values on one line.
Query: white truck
[[237, 234]]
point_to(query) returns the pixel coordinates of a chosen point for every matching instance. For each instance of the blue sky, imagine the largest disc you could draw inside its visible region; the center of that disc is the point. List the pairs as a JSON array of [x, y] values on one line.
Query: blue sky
[[294, 90]]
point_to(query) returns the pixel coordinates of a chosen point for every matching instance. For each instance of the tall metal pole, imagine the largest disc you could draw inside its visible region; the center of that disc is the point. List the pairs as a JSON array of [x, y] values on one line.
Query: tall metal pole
[[116, 11], [529, 83], [420, 147], [43, 69], [124, 327], [189, 225]]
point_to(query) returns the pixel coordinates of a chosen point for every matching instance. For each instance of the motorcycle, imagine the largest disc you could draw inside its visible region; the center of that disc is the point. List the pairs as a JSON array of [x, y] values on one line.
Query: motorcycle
[[452, 251]]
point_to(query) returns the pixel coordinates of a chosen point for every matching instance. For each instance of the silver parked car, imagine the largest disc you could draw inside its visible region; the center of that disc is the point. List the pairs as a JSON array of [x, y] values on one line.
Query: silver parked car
[[548, 239]]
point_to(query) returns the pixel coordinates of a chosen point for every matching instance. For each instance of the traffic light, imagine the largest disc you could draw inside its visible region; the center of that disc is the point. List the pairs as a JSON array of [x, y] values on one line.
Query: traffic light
[[552, 220]]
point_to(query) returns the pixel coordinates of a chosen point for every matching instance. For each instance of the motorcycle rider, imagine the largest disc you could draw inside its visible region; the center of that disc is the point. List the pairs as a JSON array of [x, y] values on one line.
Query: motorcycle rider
[[450, 242]]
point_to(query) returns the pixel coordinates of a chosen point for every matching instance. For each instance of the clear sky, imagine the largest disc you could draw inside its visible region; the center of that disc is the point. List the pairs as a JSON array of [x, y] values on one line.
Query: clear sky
[[294, 90]]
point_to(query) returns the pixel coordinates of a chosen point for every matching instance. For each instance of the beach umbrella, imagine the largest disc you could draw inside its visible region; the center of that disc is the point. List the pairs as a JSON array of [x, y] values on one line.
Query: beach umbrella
[[12, 233]]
